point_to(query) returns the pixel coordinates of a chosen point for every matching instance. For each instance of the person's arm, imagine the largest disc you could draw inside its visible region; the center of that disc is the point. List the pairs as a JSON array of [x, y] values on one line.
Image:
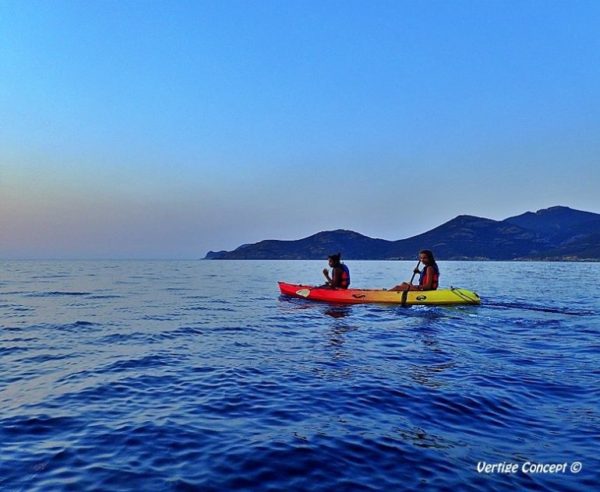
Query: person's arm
[[336, 281], [406, 286], [327, 277]]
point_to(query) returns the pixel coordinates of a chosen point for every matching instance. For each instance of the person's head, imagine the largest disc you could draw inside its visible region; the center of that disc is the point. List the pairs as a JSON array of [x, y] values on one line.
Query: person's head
[[426, 257], [334, 260]]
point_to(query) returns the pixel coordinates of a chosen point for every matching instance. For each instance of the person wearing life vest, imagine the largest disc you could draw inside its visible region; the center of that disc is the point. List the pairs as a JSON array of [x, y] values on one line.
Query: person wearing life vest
[[428, 277], [340, 274]]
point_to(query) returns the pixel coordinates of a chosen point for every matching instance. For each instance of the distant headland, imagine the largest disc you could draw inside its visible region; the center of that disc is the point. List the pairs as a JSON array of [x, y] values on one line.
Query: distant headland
[[552, 234]]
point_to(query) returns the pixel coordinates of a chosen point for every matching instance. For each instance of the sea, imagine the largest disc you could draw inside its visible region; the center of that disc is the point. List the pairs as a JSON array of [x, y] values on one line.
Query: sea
[[198, 375]]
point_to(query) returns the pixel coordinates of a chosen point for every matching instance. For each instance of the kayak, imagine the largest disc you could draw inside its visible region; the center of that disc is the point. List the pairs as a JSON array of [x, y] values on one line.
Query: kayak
[[439, 297]]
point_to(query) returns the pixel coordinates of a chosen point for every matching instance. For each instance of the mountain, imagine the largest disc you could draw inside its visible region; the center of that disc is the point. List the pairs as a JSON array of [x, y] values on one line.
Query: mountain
[[315, 247], [467, 237], [556, 223], [571, 234], [556, 233]]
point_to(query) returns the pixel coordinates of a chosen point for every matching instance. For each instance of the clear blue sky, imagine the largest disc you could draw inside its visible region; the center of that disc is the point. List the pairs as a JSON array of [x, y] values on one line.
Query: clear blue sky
[[144, 129]]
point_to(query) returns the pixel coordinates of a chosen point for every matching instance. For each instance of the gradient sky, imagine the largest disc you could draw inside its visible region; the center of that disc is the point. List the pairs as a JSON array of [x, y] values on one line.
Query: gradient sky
[[144, 129]]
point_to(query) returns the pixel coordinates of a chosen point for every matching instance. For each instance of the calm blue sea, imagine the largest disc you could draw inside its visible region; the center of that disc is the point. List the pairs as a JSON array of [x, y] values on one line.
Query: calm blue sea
[[174, 375]]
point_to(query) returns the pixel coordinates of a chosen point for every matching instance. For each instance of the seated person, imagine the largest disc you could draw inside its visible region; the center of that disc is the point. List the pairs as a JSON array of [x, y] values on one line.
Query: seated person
[[428, 277], [340, 274]]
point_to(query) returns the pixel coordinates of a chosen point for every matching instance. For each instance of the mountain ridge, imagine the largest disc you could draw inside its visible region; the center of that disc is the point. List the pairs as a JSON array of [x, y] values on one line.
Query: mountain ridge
[[554, 233]]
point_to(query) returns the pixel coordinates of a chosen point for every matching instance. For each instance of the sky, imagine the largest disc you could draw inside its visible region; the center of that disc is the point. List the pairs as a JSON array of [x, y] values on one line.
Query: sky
[[149, 129]]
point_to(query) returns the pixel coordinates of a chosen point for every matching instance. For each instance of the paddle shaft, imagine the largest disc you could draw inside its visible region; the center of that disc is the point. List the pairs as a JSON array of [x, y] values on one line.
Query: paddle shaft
[[414, 272], [405, 293]]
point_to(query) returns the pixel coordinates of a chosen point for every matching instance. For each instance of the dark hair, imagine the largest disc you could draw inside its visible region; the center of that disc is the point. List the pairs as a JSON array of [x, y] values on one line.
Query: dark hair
[[430, 257], [335, 258]]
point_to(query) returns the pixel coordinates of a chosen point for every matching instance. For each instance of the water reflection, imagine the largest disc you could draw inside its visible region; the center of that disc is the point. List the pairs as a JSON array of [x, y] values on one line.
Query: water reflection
[[337, 334], [422, 439], [434, 358], [338, 311], [426, 375]]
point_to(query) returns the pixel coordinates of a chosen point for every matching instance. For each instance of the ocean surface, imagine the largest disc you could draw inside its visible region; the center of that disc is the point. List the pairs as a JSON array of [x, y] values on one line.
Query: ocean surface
[[175, 375]]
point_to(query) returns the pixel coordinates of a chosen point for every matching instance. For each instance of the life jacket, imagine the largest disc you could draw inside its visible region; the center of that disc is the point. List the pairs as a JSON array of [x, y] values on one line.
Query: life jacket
[[436, 276], [345, 277]]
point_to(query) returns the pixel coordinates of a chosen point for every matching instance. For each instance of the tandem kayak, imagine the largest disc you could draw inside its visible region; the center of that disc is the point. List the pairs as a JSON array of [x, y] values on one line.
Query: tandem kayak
[[363, 296]]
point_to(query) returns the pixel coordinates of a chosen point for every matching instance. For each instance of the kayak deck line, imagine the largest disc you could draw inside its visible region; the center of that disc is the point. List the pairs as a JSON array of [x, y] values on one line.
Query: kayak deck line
[[451, 296]]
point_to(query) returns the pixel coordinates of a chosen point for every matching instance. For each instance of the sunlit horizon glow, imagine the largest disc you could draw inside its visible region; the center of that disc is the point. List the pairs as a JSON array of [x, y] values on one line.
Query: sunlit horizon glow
[[164, 130]]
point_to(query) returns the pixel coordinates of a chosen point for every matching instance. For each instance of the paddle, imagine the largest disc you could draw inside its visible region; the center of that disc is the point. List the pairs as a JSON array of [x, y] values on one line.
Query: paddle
[[405, 292]]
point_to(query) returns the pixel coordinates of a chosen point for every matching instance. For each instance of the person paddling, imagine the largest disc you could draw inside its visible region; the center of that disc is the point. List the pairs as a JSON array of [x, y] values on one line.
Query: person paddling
[[428, 277], [340, 274]]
